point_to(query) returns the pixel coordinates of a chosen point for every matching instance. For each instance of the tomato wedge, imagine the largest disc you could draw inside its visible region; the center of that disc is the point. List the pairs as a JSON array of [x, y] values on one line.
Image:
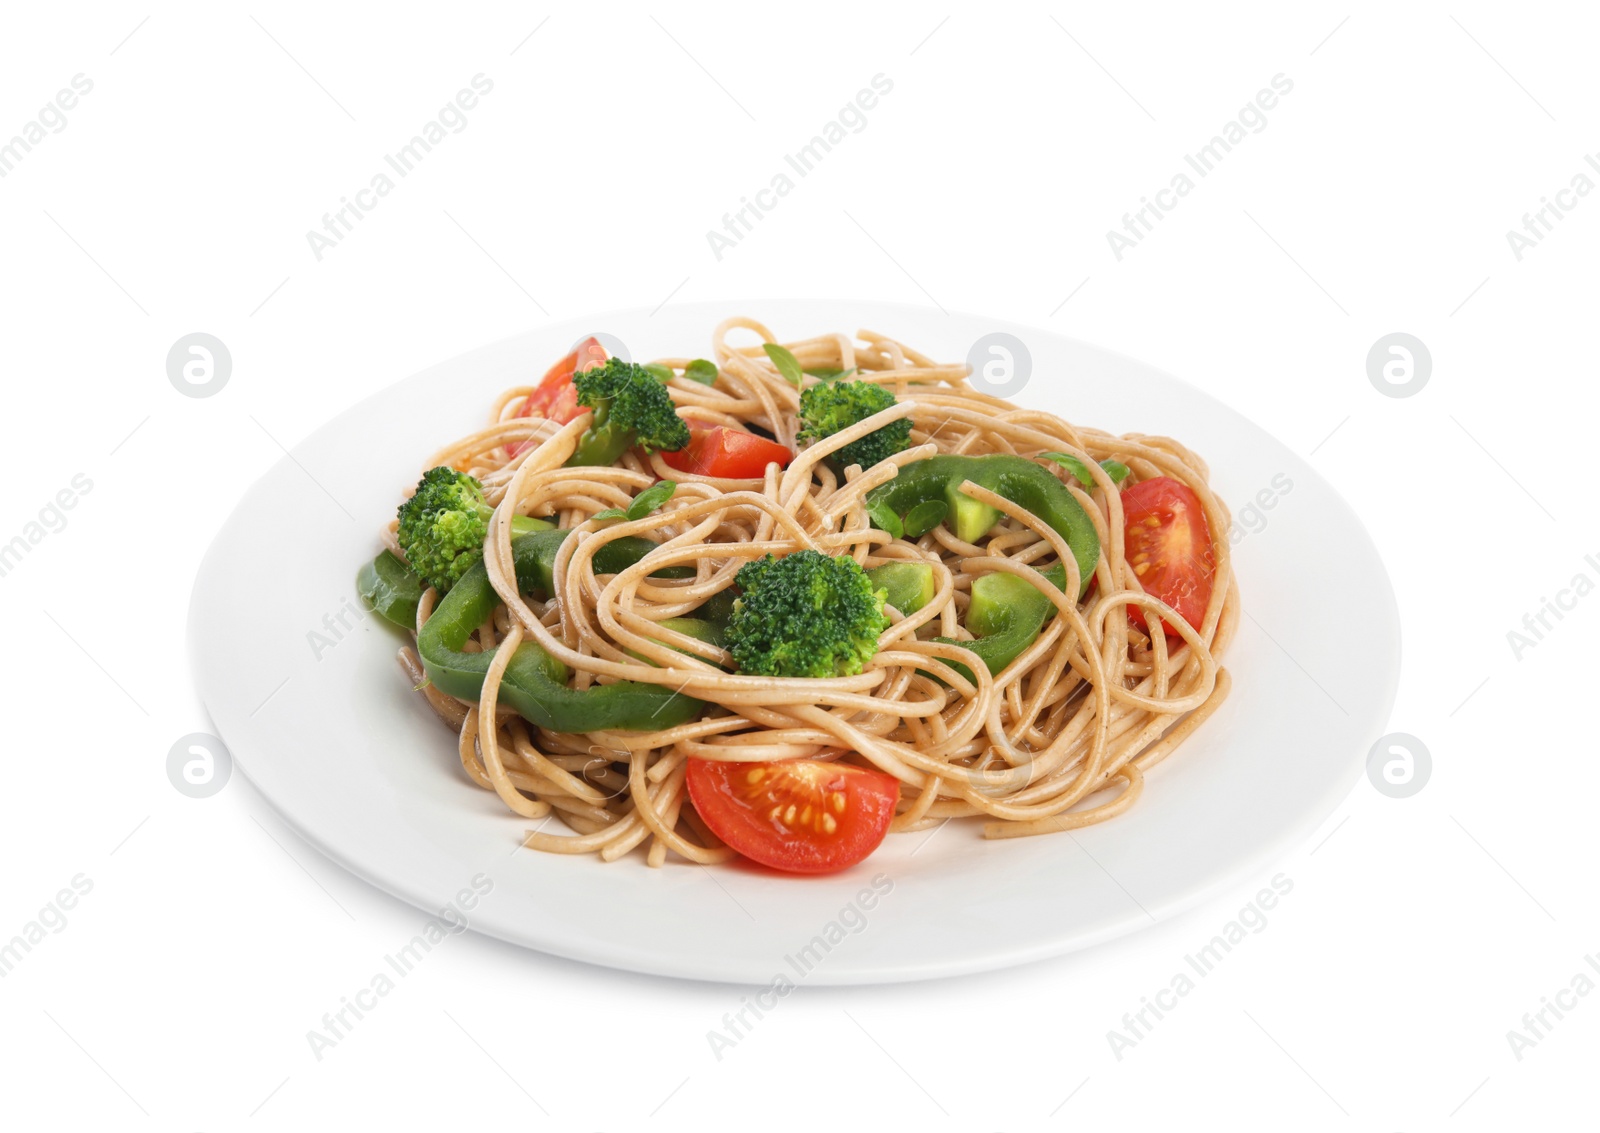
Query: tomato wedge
[[729, 454], [799, 815], [590, 354], [555, 397], [1168, 544]]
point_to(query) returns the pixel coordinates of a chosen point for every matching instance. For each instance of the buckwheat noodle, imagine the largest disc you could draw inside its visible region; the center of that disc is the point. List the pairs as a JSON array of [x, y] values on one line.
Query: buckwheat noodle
[[1060, 740]]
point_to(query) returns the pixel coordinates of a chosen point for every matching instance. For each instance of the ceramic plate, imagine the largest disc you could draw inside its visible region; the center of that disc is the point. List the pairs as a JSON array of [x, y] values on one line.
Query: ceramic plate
[[305, 690]]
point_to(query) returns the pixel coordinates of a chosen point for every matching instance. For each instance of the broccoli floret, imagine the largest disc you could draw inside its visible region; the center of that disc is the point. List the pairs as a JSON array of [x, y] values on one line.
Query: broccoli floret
[[805, 615], [444, 525], [831, 407], [631, 407]]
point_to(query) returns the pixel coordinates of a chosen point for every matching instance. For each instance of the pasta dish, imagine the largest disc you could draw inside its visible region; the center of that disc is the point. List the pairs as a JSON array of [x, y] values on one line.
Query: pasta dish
[[784, 599]]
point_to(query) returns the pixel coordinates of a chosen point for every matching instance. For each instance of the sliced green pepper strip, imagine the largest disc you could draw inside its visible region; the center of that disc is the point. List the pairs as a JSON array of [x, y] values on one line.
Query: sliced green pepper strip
[[697, 628], [718, 609], [1006, 614], [391, 589], [535, 683], [613, 558], [907, 586], [1022, 481]]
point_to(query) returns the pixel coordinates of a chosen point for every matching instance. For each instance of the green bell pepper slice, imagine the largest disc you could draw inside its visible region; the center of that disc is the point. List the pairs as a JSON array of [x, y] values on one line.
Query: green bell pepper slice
[[1016, 478], [1006, 615], [907, 586], [391, 589], [535, 683]]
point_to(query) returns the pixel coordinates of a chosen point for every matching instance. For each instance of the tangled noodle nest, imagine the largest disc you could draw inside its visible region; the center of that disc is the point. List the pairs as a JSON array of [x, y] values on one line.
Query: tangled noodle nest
[[1060, 740]]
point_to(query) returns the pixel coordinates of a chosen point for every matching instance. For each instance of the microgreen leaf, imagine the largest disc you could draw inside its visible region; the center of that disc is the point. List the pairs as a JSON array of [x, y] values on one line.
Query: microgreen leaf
[[884, 519], [701, 371], [650, 499], [1114, 469], [1073, 465], [788, 365]]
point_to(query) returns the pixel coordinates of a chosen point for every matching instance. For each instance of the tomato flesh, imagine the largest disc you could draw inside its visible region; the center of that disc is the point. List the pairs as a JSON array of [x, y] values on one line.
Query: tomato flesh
[[1168, 544], [555, 397], [799, 815], [590, 354], [728, 454]]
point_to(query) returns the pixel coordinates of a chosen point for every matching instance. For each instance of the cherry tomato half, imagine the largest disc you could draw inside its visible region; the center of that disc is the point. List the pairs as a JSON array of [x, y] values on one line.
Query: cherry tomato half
[[1168, 544], [800, 815], [555, 397], [728, 454]]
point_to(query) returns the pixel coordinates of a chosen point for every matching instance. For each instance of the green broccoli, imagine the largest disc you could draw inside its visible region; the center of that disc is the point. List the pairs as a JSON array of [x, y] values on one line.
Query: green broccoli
[[831, 407], [805, 615], [444, 525], [631, 407]]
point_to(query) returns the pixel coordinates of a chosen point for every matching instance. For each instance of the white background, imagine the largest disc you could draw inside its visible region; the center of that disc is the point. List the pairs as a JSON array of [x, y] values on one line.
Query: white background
[[1376, 199]]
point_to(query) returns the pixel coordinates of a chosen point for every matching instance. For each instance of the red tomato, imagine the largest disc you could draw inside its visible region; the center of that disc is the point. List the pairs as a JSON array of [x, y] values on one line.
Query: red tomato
[[555, 397], [729, 454], [590, 354], [1169, 547], [800, 815]]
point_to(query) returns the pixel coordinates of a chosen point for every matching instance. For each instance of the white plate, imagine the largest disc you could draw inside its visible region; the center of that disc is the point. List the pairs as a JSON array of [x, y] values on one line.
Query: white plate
[[335, 740]]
